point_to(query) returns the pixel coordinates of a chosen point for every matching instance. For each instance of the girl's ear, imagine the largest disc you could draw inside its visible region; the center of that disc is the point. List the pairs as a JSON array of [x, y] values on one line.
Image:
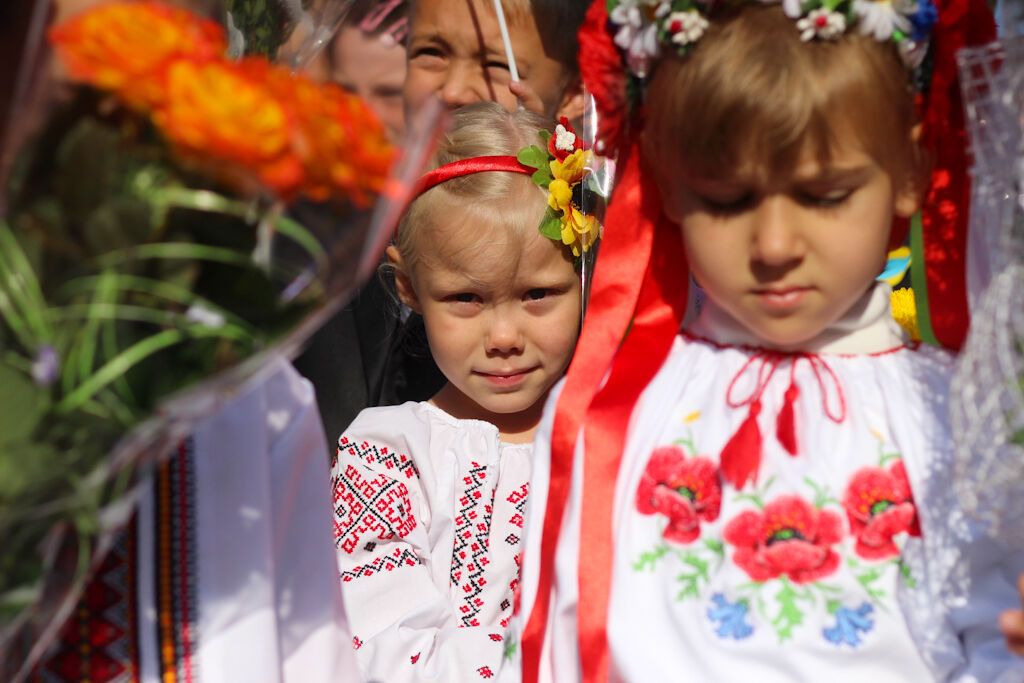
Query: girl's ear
[[571, 105], [403, 283]]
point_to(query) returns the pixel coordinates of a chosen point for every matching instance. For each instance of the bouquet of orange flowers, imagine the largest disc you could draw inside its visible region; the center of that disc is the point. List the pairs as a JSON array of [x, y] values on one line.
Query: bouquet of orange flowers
[[150, 246]]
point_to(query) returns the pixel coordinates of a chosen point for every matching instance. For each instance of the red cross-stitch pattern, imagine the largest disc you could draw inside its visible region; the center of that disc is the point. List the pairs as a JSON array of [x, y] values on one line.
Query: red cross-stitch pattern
[[518, 499], [400, 557], [378, 505], [485, 672], [471, 544], [372, 455]]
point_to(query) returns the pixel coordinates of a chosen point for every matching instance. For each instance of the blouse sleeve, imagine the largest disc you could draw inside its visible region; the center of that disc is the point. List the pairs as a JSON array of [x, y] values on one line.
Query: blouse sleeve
[[397, 596]]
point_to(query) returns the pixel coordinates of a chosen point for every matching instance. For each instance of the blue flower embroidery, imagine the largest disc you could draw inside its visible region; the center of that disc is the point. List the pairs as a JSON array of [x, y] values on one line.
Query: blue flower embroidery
[[850, 624], [730, 617]]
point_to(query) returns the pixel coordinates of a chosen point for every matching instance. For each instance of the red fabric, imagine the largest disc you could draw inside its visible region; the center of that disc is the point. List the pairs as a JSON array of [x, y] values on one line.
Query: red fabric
[[785, 423], [945, 214], [604, 77], [741, 457], [659, 314], [625, 253], [463, 167]]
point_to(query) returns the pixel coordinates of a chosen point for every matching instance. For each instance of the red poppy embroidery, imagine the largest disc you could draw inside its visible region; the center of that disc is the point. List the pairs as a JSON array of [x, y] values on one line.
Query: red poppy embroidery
[[879, 505], [789, 537], [686, 490]]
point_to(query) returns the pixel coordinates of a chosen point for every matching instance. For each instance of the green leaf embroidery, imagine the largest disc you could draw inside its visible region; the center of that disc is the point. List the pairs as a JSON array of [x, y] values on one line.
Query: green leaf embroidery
[[822, 497], [533, 156], [649, 559], [510, 649], [691, 582], [715, 546], [908, 576], [790, 615], [867, 580]]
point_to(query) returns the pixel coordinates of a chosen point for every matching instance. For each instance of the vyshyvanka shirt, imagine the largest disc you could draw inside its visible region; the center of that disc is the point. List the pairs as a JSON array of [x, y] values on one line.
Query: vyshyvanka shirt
[[428, 519], [815, 570]]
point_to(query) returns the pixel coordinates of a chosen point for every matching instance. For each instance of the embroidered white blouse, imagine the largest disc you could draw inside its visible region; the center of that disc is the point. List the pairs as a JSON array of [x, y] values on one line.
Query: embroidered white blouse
[[428, 518], [816, 570]]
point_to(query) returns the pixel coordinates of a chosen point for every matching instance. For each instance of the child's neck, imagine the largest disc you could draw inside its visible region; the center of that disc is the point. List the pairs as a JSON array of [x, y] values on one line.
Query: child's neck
[[868, 327], [512, 427]]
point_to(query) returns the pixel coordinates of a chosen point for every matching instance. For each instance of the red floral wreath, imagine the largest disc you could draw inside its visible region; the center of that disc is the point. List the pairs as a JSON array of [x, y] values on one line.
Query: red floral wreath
[[686, 490], [789, 537], [879, 505]]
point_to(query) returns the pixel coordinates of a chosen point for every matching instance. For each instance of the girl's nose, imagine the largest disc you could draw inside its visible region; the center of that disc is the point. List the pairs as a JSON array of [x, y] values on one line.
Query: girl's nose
[[777, 238], [457, 89], [504, 336]]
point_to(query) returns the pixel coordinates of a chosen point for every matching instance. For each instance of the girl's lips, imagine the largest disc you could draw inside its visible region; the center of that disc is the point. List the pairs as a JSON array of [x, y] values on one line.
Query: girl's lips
[[782, 298], [505, 379]]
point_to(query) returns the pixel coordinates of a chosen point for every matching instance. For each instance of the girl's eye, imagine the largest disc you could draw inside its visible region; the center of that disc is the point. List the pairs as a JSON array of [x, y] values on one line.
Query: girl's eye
[[465, 298], [425, 52], [728, 205], [537, 293], [824, 200], [497, 65]]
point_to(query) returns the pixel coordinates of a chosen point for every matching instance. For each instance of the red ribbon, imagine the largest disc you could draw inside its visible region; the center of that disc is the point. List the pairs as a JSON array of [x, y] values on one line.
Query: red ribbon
[[625, 254], [945, 215], [462, 167]]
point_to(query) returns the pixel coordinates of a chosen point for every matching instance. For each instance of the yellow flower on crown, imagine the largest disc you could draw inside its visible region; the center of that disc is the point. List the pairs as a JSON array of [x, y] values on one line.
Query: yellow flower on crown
[[904, 311], [572, 168], [579, 230]]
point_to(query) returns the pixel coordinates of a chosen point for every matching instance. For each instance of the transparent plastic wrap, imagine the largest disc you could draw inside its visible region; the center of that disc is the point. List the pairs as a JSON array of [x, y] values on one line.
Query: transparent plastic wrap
[[172, 220], [987, 401]]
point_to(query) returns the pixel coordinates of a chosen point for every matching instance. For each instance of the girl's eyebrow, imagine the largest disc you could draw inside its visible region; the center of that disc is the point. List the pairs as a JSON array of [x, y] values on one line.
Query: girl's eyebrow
[[835, 176]]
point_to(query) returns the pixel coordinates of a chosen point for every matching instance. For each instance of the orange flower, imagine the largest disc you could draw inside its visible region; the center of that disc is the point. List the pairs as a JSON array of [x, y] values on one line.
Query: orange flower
[[343, 146], [125, 46], [222, 111]]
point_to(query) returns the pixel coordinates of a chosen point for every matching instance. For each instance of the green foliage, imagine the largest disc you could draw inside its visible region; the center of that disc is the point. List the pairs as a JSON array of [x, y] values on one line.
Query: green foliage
[[649, 559], [110, 248], [265, 24]]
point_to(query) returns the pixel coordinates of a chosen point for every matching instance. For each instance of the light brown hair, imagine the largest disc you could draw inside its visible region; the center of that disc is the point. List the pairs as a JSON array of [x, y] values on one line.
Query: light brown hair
[[752, 90], [506, 205]]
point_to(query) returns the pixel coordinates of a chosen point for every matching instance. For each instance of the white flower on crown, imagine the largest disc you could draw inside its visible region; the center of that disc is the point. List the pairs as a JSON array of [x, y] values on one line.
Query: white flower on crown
[[638, 31], [686, 27], [821, 23], [880, 18], [565, 140], [794, 9]]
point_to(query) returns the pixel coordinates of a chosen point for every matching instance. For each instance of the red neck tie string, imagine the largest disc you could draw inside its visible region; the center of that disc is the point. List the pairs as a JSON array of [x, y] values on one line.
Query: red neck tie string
[[741, 457]]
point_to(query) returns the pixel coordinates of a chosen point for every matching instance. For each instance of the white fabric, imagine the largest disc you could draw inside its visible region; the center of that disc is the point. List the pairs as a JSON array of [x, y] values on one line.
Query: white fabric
[[269, 605], [428, 519], [691, 608]]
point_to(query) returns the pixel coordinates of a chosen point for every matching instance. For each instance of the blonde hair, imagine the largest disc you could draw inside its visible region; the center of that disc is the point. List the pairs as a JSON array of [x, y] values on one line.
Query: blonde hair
[[490, 201], [752, 89]]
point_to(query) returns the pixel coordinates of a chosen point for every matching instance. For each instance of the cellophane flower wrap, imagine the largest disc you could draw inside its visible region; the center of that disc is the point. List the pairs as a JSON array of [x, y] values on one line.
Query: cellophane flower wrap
[[177, 215]]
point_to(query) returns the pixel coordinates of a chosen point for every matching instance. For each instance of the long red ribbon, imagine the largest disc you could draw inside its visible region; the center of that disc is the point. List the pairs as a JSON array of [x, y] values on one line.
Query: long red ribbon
[[945, 216], [659, 314], [625, 252]]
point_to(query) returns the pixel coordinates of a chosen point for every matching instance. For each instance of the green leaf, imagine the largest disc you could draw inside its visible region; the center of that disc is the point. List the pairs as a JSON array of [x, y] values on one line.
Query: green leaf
[[542, 177], [789, 615], [545, 135], [533, 156], [715, 546], [551, 226], [649, 559]]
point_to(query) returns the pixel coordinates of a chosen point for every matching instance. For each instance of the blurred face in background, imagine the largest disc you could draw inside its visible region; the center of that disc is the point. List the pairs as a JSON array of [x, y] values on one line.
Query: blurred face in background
[[372, 67]]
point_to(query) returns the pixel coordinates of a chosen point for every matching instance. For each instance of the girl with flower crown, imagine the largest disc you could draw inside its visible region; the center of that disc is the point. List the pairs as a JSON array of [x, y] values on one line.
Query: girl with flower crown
[[764, 495], [429, 496]]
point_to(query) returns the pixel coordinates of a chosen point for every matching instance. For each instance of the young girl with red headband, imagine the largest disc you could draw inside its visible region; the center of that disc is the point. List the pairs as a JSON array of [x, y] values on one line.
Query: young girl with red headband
[[754, 498], [429, 497]]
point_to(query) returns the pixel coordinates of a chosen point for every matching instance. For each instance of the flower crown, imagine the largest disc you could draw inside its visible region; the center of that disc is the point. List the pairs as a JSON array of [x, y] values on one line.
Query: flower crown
[[560, 166], [641, 27]]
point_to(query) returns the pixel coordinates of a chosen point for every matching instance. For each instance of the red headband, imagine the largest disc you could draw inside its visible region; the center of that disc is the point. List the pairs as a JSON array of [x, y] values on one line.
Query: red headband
[[463, 167]]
